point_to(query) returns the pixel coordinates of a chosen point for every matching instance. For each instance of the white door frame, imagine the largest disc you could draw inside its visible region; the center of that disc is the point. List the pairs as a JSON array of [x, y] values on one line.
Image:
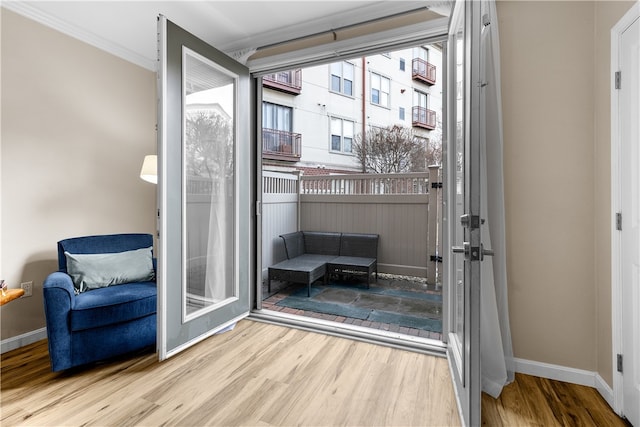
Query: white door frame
[[616, 201]]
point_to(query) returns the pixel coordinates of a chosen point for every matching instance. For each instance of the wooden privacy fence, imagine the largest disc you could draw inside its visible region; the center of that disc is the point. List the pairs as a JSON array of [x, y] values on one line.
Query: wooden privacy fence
[[404, 209]]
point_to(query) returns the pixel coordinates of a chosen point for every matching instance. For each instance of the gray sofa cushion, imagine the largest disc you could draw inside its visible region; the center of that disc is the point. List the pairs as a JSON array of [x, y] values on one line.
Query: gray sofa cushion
[[359, 245], [321, 243]]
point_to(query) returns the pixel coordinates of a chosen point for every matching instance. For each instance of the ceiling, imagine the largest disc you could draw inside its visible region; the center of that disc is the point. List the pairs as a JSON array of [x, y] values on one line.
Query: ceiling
[[128, 28]]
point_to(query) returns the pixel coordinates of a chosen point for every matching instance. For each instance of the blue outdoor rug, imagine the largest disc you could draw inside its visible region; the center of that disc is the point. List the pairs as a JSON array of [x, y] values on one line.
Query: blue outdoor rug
[[400, 307]]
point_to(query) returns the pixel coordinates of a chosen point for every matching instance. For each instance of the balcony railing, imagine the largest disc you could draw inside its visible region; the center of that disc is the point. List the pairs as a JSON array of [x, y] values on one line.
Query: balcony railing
[[281, 145], [285, 81], [424, 118], [423, 71]]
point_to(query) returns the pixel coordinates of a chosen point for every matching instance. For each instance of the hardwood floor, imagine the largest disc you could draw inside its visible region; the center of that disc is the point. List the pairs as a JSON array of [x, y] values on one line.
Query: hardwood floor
[[534, 401], [261, 374], [257, 375]]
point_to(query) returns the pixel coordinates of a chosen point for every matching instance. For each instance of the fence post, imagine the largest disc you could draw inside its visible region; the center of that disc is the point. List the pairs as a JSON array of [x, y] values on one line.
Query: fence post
[[432, 225], [298, 175]]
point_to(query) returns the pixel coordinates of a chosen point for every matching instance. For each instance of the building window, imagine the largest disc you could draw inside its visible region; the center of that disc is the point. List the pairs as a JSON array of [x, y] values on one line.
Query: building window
[[421, 53], [421, 115], [401, 113], [342, 135], [277, 117], [402, 66], [420, 99], [380, 88], [342, 78], [277, 122]]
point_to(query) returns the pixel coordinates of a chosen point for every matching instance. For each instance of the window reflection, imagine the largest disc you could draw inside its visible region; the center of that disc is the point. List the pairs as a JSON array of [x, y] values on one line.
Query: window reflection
[[209, 180]]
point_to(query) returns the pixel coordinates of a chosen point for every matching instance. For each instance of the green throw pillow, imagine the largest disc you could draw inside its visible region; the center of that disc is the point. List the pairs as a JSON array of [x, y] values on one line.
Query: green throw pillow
[[93, 271]]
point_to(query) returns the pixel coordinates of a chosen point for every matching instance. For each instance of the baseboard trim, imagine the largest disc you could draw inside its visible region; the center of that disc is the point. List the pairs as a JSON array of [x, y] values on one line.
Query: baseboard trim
[[566, 374], [22, 340], [605, 390], [555, 372]]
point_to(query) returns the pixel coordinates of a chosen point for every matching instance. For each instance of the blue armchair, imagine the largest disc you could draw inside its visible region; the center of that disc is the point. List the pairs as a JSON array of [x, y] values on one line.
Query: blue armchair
[[102, 322]]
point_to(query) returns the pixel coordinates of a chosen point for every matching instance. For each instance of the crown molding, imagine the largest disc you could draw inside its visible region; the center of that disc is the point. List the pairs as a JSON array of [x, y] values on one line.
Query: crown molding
[[31, 12]]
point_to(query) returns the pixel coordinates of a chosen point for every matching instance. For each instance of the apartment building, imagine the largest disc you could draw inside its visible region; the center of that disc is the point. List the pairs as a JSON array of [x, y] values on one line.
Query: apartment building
[[312, 116]]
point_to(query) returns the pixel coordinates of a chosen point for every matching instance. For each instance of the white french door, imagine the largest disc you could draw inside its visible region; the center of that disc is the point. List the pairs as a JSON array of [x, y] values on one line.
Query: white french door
[[204, 190], [626, 204], [463, 204]]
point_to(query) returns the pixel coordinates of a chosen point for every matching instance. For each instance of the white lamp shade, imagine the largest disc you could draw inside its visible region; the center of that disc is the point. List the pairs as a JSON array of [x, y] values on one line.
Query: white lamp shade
[[149, 171]]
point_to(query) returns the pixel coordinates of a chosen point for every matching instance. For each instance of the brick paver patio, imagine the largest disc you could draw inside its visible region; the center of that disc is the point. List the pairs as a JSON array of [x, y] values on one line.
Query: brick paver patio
[[282, 290]]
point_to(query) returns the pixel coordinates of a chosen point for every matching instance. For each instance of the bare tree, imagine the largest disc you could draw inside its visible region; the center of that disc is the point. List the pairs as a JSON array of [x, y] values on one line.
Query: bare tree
[[395, 149], [209, 144]]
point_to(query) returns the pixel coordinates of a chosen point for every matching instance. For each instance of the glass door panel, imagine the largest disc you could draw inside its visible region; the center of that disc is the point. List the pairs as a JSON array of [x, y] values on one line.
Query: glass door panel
[[457, 62], [209, 186], [204, 181], [465, 93]]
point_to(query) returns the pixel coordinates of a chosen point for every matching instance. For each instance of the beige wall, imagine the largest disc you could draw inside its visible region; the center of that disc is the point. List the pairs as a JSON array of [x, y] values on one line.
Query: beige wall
[[555, 92], [76, 123]]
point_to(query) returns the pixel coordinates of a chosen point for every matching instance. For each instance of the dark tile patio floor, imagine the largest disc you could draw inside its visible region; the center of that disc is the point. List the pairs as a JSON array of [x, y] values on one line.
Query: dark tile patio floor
[[385, 283]]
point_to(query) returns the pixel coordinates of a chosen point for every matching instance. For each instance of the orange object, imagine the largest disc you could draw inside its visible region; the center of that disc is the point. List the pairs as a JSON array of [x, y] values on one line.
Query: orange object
[[10, 295]]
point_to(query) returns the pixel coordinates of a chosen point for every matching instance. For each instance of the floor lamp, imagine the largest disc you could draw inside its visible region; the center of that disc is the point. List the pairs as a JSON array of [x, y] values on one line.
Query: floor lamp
[[149, 171]]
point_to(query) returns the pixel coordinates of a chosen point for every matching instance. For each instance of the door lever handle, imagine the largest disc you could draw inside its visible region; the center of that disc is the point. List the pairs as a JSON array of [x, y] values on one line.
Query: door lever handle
[[487, 252], [472, 254]]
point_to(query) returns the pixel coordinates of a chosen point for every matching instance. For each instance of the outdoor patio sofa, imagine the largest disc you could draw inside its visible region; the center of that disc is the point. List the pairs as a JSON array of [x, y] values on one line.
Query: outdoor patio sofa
[[312, 255]]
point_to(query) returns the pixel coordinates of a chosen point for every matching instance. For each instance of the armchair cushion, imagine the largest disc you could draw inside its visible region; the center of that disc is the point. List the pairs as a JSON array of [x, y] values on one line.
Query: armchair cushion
[[112, 305], [94, 271]]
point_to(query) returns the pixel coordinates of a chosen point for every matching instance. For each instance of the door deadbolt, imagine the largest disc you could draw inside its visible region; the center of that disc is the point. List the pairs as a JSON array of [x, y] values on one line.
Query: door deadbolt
[[461, 249]]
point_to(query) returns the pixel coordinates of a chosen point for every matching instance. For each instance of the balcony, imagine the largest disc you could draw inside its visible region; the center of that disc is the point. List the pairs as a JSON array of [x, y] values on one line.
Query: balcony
[[424, 118], [423, 71], [284, 81], [281, 145]]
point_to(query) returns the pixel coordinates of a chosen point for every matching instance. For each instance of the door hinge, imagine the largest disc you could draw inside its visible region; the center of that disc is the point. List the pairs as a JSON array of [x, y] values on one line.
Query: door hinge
[[619, 221], [619, 363], [618, 79], [258, 208]]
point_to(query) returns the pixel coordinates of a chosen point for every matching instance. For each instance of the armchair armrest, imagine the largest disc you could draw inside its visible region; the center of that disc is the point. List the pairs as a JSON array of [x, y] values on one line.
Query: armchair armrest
[[59, 299], [293, 244], [58, 285]]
